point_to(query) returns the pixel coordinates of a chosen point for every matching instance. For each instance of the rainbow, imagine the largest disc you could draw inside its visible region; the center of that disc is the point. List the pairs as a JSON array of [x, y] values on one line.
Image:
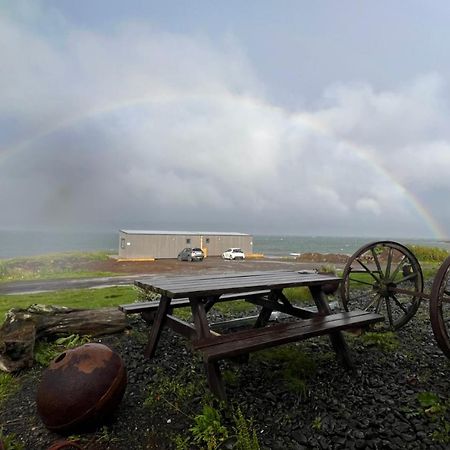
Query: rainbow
[[368, 156], [311, 122]]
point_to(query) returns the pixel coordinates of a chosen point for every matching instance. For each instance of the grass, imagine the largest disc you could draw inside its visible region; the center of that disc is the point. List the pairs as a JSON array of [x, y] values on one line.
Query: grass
[[8, 385], [295, 366], [52, 266], [74, 298]]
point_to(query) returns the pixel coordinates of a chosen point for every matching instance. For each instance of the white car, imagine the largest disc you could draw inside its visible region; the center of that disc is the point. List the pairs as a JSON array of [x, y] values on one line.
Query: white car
[[233, 253]]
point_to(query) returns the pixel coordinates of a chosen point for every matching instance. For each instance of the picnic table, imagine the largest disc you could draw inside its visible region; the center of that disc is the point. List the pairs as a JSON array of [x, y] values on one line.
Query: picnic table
[[265, 289]]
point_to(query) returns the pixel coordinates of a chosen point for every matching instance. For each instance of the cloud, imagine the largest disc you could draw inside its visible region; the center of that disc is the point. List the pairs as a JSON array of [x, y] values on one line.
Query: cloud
[[140, 127]]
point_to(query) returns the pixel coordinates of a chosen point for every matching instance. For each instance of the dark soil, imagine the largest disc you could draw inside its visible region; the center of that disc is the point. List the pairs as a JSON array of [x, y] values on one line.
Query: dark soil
[[377, 407]]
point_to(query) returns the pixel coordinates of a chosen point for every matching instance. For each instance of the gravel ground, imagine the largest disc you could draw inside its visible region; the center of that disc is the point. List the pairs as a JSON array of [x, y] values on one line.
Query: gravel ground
[[377, 408]]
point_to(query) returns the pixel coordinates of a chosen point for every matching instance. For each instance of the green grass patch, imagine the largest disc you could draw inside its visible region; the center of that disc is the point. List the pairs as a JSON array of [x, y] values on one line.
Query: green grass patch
[[52, 266], [234, 307], [429, 254], [9, 384], [386, 341], [295, 367], [74, 298], [298, 295]]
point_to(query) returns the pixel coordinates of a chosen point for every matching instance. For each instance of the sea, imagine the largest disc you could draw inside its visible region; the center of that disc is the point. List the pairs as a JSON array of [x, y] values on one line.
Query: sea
[[17, 243]]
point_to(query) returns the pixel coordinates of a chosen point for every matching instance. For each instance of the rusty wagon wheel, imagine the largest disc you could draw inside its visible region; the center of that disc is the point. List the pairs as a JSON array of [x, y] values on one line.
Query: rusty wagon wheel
[[383, 277], [440, 307]]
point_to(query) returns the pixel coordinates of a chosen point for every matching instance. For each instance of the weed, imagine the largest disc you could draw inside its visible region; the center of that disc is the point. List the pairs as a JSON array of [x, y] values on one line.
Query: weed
[[246, 438], [317, 423], [10, 441], [230, 377], [181, 442], [45, 352], [208, 428], [173, 390], [436, 410], [385, 341], [8, 385]]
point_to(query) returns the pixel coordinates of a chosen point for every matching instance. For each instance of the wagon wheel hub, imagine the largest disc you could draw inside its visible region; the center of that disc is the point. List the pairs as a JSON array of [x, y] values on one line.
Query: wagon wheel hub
[[384, 288]]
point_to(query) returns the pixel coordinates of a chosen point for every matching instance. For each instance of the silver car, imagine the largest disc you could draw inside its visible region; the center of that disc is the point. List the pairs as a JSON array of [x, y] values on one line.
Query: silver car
[[191, 254]]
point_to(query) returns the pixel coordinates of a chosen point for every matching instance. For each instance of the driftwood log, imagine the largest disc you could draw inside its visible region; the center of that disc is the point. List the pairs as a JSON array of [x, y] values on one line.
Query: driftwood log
[[22, 327]]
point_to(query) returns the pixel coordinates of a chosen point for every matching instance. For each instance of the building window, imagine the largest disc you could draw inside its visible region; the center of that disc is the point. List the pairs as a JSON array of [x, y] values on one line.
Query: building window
[[122, 243], [188, 241], [207, 240]]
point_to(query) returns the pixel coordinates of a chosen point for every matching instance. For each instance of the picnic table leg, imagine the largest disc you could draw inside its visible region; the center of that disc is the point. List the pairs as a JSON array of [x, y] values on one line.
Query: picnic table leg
[[155, 330], [215, 382], [266, 312], [199, 316], [336, 337]]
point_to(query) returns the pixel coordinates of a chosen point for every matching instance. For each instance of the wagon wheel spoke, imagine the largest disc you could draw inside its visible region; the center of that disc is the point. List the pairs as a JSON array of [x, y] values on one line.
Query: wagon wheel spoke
[[397, 269], [368, 271], [389, 263], [371, 303], [361, 281], [377, 261], [407, 277], [389, 313], [399, 304]]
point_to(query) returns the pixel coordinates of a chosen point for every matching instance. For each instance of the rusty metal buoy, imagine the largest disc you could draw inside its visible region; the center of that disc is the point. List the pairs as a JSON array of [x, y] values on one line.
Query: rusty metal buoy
[[80, 387]]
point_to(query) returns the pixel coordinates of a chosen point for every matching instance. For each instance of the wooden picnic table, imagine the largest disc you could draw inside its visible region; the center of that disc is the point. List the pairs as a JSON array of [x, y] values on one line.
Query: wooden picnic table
[[264, 288]]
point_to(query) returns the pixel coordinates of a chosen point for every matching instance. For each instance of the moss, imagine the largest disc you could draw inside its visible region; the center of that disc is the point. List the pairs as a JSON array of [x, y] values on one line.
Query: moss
[[386, 341], [295, 367]]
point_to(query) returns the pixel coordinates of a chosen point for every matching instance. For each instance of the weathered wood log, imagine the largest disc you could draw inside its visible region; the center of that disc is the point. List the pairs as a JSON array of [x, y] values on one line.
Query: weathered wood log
[[23, 326]]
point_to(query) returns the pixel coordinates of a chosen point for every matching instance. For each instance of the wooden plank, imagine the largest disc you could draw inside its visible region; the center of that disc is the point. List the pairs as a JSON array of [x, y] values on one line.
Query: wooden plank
[[280, 334], [230, 285], [317, 320], [180, 283], [134, 308], [180, 326], [198, 280], [292, 310]]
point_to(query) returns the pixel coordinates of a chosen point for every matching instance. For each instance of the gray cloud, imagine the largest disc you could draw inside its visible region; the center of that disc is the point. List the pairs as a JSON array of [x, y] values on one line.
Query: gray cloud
[[144, 128]]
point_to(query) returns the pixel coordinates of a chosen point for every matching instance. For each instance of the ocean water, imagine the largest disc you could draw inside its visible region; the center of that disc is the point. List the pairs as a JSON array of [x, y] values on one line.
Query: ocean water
[[29, 243]]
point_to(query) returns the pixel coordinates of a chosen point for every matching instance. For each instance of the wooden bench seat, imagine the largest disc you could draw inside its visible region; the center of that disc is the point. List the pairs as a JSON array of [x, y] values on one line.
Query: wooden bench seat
[[242, 342], [152, 306]]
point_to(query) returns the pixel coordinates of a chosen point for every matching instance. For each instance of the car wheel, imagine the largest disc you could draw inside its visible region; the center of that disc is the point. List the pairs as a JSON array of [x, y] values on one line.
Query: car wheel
[[190, 258]]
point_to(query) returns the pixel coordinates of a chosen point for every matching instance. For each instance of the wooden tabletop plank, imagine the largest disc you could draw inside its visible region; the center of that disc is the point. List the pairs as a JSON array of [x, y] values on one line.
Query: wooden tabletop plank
[[223, 283], [230, 278], [176, 287]]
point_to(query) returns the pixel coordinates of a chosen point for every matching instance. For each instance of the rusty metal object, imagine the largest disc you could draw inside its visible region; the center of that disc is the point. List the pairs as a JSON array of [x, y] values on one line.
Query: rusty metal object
[[81, 387]]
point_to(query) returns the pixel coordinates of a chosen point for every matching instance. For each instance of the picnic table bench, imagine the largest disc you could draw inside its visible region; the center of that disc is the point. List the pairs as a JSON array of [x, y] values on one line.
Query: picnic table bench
[[264, 289]]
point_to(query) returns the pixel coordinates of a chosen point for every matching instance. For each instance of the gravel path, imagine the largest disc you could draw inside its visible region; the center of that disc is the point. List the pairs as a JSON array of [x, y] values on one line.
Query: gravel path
[[379, 407]]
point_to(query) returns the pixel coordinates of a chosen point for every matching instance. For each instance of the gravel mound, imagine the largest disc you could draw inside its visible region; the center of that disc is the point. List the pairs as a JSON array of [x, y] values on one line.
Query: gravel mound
[[381, 406]]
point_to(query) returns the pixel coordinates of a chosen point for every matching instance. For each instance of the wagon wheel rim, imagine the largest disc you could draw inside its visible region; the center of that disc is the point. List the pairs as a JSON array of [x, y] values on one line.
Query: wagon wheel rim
[[383, 277], [440, 307]]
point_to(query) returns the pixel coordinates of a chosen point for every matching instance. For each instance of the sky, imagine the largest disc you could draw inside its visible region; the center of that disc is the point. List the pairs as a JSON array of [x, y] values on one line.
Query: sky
[[265, 117]]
